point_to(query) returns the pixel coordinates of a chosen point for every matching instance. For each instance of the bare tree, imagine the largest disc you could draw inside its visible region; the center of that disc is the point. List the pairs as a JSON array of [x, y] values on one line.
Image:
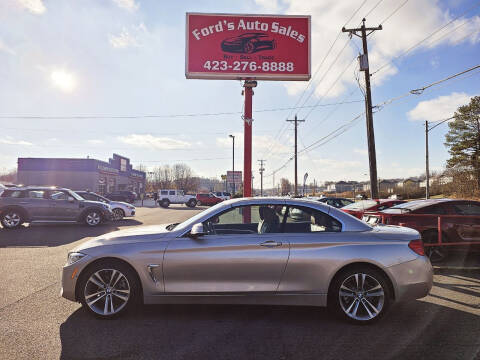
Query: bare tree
[[285, 186]]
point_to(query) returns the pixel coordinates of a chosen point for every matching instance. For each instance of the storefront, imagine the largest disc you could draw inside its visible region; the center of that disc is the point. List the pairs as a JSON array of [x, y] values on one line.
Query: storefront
[[82, 174]]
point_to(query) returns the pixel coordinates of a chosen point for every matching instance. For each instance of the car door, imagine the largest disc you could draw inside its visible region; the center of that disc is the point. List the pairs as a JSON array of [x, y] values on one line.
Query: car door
[[36, 204], [313, 236], [60, 207], [233, 257]]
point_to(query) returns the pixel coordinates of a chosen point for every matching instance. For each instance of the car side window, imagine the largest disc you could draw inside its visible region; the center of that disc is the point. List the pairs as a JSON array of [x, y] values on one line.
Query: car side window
[[434, 209], [467, 209], [306, 220], [35, 194], [250, 219], [164, 192], [171, 192], [57, 195]]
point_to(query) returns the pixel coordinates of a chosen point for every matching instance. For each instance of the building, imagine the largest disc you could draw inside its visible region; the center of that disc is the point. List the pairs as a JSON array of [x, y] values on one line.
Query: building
[[82, 174]]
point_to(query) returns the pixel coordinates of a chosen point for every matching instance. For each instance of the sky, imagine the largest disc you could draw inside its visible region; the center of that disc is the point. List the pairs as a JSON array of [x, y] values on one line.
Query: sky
[[89, 58]]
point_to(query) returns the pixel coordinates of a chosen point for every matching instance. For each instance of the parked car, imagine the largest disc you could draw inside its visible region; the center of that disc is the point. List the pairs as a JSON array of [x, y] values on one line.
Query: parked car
[[2, 187], [49, 204], [167, 197], [222, 195], [248, 43], [246, 251], [459, 222], [119, 209], [358, 208], [336, 202], [122, 195], [208, 199]]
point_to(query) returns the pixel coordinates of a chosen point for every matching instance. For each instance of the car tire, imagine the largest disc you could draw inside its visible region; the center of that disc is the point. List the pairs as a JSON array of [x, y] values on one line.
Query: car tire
[[436, 254], [92, 218], [12, 219], [118, 214], [199, 203], [165, 203], [192, 203], [360, 295], [108, 285]]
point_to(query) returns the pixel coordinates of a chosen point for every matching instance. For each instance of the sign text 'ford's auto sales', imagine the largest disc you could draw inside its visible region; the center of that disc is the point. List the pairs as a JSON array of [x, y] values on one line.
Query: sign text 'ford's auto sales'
[[231, 46]]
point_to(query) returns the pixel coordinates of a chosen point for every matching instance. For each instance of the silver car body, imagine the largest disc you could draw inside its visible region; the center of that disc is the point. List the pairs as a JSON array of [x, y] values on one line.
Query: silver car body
[[175, 268], [128, 209]]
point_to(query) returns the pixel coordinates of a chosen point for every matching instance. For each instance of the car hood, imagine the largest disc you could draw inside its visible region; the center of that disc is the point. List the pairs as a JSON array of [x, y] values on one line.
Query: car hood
[[91, 202], [392, 232], [118, 203], [127, 236]]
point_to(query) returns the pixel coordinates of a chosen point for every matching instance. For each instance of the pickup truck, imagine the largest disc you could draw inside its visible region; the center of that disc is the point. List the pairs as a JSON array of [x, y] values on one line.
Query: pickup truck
[[167, 197]]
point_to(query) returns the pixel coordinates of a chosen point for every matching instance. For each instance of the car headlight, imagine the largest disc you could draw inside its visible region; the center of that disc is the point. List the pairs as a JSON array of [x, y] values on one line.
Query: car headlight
[[131, 207], [106, 206], [73, 257]]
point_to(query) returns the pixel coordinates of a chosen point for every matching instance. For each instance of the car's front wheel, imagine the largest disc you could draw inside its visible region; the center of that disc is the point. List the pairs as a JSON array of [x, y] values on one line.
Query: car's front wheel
[[199, 203], [93, 218], [108, 288], [165, 203], [118, 214], [11, 219], [360, 295], [192, 203]]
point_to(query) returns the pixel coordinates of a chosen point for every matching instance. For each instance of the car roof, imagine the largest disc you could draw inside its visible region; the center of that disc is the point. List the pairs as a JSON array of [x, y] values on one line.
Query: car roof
[[33, 187]]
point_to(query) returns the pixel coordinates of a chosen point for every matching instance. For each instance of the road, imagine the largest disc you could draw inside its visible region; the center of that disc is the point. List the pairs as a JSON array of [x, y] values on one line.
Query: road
[[35, 322]]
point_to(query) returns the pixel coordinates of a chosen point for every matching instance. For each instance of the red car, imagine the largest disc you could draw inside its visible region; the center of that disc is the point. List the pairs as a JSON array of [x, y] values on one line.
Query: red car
[[358, 208], [459, 221], [208, 199]]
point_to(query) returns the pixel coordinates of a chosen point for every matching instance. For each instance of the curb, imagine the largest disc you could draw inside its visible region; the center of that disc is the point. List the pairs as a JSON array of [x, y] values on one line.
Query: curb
[[440, 269]]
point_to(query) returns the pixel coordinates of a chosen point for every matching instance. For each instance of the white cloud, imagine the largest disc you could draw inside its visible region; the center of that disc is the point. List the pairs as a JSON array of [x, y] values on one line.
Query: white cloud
[[439, 108], [95, 142], [261, 145], [361, 151], [268, 5], [34, 6], [154, 142], [128, 37], [8, 140], [63, 80], [422, 16], [129, 5], [5, 48]]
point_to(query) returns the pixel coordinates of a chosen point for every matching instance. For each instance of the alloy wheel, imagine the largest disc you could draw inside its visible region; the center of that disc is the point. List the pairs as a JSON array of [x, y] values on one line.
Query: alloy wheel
[[361, 297], [11, 219], [107, 292], [118, 214], [93, 218]]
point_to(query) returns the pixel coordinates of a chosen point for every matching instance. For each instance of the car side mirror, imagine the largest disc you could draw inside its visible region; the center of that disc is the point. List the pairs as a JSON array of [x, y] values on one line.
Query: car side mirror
[[197, 230], [71, 199]]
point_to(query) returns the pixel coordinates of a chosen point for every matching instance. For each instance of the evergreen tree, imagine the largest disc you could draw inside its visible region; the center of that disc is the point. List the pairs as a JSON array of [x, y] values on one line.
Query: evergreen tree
[[463, 139]]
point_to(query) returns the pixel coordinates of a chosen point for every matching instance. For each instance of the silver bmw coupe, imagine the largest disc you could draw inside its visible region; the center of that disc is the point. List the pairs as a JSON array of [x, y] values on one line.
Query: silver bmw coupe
[[253, 251]]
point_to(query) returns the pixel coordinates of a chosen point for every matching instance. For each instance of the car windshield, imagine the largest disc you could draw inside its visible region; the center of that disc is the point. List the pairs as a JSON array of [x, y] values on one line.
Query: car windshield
[[75, 195], [195, 219], [361, 205]]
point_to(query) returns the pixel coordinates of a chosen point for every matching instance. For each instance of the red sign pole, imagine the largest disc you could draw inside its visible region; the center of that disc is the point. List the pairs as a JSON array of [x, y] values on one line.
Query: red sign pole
[[247, 143]]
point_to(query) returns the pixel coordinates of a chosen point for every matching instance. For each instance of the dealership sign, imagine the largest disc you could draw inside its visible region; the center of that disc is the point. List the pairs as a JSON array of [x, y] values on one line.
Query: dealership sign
[[234, 177], [235, 46]]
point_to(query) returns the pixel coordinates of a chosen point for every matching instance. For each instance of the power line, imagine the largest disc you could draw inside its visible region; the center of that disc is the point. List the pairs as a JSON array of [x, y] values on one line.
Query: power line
[[422, 89], [394, 12], [423, 40]]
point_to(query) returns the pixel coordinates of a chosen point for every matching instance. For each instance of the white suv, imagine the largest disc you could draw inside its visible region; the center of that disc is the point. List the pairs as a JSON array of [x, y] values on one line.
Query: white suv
[[222, 195], [167, 197]]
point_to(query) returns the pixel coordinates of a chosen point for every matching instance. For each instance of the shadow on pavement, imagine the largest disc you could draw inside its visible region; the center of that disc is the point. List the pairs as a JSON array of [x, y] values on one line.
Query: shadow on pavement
[[413, 330], [57, 234]]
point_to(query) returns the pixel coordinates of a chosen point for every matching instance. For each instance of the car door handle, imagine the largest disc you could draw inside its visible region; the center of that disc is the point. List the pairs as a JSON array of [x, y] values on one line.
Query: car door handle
[[271, 243]]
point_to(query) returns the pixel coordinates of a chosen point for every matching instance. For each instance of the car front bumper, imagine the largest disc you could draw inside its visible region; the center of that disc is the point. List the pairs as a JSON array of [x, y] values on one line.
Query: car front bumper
[[70, 274], [413, 279]]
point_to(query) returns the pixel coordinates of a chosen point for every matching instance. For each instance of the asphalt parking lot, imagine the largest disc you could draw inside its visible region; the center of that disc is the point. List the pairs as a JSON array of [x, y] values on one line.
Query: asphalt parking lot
[[35, 322]]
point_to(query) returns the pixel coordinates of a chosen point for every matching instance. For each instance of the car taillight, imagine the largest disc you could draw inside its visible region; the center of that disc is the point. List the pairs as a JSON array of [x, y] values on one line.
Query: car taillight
[[417, 247]]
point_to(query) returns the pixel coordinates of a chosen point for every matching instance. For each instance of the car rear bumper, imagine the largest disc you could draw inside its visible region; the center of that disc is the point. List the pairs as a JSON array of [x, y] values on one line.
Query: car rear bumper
[[413, 279]]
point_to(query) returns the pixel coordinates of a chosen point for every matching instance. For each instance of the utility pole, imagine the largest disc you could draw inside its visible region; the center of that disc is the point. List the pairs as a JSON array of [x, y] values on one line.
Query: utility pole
[[262, 169], [233, 161], [296, 121], [364, 66], [427, 170]]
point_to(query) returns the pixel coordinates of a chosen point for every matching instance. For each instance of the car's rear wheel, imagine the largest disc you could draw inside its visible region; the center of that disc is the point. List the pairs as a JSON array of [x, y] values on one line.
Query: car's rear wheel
[[434, 253], [118, 214], [192, 203], [108, 288], [199, 203], [12, 219], [165, 203], [93, 218], [360, 295]]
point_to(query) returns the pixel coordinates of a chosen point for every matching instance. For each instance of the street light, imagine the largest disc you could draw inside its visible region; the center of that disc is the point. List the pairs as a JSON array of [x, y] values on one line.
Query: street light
[[233, 162]]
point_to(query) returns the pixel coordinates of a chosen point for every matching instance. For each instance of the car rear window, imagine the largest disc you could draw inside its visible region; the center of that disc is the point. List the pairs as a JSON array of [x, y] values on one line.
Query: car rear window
[[467, 209]]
